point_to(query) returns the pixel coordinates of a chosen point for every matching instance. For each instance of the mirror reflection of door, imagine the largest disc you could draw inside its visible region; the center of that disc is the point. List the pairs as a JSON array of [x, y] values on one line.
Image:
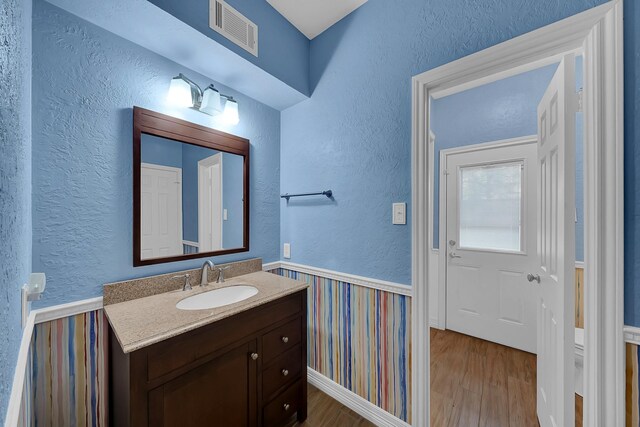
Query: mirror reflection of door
[[161, 209], [202, 209], [210, 203]]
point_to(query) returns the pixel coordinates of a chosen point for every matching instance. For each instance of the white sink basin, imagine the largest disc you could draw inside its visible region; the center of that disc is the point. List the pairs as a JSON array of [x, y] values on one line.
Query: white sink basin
[[217, 298]]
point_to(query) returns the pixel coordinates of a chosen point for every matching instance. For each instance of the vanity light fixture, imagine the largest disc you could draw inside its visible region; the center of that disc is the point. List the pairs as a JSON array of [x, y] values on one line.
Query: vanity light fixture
[[183, 92]]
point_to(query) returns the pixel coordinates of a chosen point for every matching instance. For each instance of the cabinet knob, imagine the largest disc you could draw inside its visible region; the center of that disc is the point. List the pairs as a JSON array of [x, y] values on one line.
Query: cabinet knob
[[286, 406], [285, 372], [254, 356], [285, 339]]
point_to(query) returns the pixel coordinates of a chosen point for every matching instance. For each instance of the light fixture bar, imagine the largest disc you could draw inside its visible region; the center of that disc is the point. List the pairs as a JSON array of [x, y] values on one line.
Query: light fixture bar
[[208, 101]]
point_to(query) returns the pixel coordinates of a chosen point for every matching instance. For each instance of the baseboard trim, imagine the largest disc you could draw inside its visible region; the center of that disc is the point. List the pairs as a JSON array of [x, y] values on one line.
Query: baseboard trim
[[356, 403], [61, 311], [17, 388], [383, 285], [632, 335]]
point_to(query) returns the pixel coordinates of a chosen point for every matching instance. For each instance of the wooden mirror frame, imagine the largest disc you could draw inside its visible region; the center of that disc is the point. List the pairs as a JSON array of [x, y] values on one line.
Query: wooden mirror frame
[[157, 124]]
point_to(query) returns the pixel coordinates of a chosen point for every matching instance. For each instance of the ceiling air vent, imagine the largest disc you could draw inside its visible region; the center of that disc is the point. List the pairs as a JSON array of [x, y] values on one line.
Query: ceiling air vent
[[230, 23]]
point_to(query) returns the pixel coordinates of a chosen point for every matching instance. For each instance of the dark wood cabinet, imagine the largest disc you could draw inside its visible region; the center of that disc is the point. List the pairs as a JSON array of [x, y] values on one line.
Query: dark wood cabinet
[[246, 370]]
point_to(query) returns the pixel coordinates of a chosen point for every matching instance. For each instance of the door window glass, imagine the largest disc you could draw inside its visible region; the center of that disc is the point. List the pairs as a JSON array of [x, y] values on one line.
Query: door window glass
[[490, 207]]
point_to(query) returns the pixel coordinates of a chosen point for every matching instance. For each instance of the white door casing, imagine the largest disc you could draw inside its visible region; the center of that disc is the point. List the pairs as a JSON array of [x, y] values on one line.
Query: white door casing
[[556, 248], [210, 203], [490, 241], [161, 211]]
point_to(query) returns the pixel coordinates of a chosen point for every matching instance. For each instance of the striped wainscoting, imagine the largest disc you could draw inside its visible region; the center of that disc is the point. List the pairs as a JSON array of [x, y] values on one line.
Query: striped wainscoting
[[632, 382], [360, 338], [70, 371]]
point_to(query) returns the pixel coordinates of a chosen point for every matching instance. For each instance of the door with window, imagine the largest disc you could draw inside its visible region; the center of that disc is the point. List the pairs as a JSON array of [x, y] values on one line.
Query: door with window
[[491, 242]]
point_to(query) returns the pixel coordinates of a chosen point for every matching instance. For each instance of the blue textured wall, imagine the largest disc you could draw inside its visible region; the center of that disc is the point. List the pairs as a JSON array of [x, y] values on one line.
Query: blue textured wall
[[160, 151], [283, 51], [354, 134], [500, 110], [15, 181], [87, 80], [632, 162]]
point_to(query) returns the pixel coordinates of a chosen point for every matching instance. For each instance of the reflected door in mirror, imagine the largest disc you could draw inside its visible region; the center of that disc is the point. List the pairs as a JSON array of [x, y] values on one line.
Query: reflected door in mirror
[[191, 198]]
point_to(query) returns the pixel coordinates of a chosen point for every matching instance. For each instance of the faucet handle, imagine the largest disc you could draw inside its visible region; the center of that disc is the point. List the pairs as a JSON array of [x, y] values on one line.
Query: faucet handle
[[187, 285], [221, 273]]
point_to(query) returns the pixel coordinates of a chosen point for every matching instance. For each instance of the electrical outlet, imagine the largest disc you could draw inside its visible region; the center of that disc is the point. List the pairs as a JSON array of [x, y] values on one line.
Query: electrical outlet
[[287, 250]]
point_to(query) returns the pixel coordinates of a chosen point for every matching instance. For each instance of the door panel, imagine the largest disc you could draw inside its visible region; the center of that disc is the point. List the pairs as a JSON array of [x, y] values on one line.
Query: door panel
[[556, 248], [468, 293], [491, 243], [510, 291], [161, 211]]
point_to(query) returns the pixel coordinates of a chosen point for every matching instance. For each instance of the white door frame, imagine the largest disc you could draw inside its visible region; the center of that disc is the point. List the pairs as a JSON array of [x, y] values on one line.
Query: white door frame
[[597, 33], [205, 163], [442, 238]]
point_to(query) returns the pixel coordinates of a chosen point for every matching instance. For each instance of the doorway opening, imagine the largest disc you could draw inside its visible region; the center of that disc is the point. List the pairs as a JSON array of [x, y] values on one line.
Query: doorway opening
[[499, 239], [596, 35]]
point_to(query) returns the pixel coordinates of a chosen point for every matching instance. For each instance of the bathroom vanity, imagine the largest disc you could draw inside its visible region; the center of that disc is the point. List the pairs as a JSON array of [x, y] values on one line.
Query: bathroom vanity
[[242, 364]]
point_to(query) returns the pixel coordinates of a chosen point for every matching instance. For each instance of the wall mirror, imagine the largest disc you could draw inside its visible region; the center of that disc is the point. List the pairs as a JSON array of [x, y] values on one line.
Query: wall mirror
[[190, 190]]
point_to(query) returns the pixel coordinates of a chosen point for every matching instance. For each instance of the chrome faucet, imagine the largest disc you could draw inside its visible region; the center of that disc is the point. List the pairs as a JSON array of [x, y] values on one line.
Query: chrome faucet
[[203, 279]]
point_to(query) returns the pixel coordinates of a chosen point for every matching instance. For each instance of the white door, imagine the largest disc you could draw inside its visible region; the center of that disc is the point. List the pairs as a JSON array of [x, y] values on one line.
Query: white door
[[161, 211], [210, 203], [491, 242], [556, 248]]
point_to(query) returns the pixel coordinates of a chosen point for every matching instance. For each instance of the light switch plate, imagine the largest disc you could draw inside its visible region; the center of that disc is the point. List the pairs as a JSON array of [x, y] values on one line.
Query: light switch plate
[[224, 214], [287, 251], [399, 213]]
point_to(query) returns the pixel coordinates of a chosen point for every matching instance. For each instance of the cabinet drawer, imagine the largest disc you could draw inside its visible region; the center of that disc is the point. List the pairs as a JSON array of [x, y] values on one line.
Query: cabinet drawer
[[285, 369], [281, 339], [283, 406]]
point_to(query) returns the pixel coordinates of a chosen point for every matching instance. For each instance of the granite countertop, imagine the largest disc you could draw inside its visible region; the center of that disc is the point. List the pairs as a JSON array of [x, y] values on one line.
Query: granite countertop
[[144, 321]]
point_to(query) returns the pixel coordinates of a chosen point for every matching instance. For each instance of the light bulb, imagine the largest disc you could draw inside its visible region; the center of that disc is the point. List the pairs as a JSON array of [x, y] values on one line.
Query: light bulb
[[211, 101], [180, 92], [230, 114]]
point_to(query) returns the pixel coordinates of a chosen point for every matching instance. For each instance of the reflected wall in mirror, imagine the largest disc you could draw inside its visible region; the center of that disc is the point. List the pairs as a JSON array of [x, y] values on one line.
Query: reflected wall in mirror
[[190, 198]]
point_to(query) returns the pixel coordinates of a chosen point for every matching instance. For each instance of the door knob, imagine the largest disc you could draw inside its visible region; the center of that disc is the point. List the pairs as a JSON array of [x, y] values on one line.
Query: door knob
[[453, 255], [254, 356], [533, 277], [286, 406], [285, 372], [285, 339]]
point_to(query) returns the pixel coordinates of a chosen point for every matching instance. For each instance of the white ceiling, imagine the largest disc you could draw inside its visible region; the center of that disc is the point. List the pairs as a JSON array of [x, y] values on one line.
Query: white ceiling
[[312, 17]]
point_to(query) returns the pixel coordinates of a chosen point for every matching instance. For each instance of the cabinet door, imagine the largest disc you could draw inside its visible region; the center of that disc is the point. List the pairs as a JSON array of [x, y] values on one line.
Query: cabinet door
[[221, 392]]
